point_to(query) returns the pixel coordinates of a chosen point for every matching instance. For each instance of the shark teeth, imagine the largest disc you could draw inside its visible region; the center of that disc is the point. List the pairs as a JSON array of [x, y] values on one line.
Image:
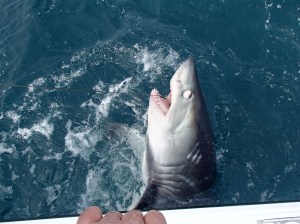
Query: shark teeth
[[162, 104]]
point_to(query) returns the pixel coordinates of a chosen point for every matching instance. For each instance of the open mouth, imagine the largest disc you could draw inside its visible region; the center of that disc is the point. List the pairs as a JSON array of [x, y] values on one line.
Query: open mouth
[[162, 104]]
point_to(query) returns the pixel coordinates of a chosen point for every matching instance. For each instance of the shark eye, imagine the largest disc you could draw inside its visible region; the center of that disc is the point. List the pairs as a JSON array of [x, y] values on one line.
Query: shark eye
[[187, 94]]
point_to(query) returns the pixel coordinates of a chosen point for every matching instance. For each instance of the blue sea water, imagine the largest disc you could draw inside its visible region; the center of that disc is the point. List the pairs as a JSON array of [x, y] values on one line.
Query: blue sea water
[[70, 69]]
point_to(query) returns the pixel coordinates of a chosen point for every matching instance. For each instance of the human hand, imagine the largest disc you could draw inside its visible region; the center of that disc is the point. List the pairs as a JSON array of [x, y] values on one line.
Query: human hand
[[93, 215]]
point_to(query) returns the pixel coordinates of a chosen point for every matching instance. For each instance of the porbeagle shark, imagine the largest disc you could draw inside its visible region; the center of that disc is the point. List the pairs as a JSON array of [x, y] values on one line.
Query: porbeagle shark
[[179, 160]]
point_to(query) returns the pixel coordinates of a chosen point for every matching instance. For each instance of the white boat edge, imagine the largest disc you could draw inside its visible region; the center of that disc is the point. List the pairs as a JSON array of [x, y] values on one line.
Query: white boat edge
[[288, 212]]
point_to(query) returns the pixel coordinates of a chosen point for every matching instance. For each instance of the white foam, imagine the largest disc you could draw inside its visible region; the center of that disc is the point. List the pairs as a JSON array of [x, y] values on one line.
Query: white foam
[[120, 87], [56, 156], [104, 105], [133, 106], [6, 189], [34, 106], [79, 56], [31, 100], [36, 83], [154, 61], [236, 197], [66, 79], [24, 133], [145, 118], [81, 142], [5, 148], [13, 116], [44, 127], [88, 103], [264, 196], [130, 135], [93, 192], [289, 168], [54, 105], [14, 176], [52, 193], [102, 109], [3, 136], [123, 164], [32, 169], [249, 166], [250, 184], [99, 87], [135, 197]]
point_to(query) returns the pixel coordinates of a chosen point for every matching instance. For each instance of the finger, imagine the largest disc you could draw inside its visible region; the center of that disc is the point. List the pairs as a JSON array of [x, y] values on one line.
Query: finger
[[133, 217], [111, 217], [91, 215], [154, 217]]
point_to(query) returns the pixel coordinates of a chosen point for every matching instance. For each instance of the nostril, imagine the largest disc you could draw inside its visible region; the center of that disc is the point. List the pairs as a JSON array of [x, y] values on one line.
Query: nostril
[[187, 94]]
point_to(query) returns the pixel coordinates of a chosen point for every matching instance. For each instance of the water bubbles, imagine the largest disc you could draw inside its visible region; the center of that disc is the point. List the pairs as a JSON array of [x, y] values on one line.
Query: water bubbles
[[5, 148], [6, 189], [13, 116], [32, 168], [43, 127], [154, 61], [80, 141]]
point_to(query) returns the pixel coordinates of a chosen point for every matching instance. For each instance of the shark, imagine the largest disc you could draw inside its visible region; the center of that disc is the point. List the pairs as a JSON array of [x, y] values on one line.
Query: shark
[[179, 160]]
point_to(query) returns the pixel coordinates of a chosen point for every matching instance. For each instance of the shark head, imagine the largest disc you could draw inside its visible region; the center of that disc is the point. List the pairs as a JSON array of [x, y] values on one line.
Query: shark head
[[179, 108], [175, 122]]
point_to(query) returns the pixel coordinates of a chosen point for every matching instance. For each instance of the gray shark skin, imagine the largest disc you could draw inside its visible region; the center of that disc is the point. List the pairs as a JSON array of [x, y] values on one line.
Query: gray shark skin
[[179, 160]]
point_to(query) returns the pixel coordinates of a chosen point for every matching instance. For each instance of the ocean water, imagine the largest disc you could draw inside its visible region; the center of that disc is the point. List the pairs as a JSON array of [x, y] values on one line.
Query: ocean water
[[72, 71]]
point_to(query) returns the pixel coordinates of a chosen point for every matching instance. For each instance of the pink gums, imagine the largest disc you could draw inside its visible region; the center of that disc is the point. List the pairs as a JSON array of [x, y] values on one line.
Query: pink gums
[[163, 104]]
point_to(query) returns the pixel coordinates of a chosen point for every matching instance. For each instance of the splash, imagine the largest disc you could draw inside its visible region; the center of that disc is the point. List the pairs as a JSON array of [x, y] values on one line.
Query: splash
[[154, 61], [44, 127]]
